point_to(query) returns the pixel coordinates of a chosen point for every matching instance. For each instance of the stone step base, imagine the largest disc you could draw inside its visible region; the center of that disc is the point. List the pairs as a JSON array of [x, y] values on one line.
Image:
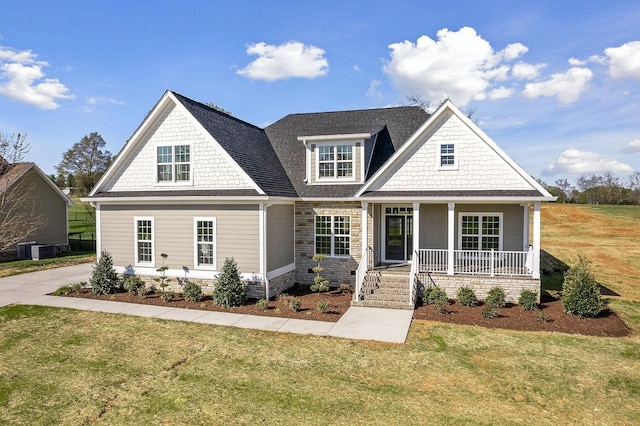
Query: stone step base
[[382, 304], [387, 297]]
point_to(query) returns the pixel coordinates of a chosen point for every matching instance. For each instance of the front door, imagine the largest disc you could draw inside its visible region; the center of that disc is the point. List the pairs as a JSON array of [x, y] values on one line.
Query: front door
[[395, 241]]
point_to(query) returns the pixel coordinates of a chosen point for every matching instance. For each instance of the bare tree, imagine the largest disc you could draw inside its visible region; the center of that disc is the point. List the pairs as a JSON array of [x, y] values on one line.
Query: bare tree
[[565, 187], [19, 212], [634, 185]]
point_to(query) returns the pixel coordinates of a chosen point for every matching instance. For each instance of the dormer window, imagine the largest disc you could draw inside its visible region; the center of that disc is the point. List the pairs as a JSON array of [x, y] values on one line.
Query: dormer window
[[335, 161], [174, 163]]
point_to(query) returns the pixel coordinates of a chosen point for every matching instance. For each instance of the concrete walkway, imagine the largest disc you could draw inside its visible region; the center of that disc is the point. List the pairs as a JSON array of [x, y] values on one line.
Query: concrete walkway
[[384, 325]]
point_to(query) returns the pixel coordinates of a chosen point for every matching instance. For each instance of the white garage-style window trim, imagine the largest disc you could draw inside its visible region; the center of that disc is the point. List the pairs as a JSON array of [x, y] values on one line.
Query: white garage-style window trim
[[336, 161], [480, 231], [332, 235], [143, 228], [447, 156], [205, 247], [173, 164]]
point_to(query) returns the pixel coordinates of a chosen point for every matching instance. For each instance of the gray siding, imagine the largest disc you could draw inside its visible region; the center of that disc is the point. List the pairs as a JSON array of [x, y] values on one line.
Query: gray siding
[[433, 224], [280, 238], [51, 204], [237, 233]]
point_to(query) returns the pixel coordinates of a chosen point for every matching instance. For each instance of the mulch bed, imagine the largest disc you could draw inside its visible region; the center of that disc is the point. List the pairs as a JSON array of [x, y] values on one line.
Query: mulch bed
[[511, 317]]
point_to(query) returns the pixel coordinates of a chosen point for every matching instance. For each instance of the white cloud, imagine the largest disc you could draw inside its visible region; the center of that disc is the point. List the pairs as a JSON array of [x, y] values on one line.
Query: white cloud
[[460, 65], [576, 162], [373, 91], [524, 71], [567, 87], [356, 67], [632, 148], [624, 61], [292, 59], [22, 79], [92, 102], [500, 93]]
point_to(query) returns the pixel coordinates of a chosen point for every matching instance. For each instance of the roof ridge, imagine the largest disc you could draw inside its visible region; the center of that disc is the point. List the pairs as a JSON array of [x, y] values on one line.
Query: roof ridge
[[353, 110]]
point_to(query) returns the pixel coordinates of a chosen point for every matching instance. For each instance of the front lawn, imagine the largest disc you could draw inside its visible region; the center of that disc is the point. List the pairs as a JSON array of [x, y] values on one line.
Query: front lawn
[[23, 266], [76, 367]]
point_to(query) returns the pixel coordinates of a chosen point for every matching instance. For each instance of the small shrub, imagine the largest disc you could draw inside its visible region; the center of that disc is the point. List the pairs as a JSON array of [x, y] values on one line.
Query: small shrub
[[192, 292], [320, 283], [69, 288], [294, 304], [528, 300], [323, 306], [489, 311], [163, 280], [540, 316], [143, 291], [132, 284], [580, 291], [433, 295], [263, 304], [104, 279], [442, 306], [496, 298], [229, 289], [466, 296]]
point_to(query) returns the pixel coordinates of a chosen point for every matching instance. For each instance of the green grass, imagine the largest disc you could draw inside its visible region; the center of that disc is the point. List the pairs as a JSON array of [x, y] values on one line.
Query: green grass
[[82, 218], [631, 212], [23, 266], [75, 367]]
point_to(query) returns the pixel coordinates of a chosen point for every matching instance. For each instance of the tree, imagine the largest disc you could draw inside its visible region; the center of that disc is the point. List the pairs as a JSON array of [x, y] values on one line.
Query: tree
[[86, 161], [229, 289], [19, 212], [565, 187], [634, 185]]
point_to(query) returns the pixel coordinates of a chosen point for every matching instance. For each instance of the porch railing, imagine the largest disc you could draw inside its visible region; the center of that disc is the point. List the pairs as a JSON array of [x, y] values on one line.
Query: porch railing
[[477, 262], [366, 264], [413, 287]]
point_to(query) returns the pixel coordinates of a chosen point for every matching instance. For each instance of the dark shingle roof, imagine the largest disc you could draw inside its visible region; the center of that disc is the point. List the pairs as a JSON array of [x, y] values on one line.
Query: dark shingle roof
[[519, 193], [247, 144], [11, 173], [397, 125], [183, 193]]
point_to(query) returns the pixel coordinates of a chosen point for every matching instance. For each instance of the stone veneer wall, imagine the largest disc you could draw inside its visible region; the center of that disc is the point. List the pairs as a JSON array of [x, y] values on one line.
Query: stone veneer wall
[[255, 290], [336, 269], [481, 284]]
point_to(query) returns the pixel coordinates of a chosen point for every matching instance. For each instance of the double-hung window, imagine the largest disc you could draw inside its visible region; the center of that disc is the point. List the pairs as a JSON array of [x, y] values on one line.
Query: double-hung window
[[481, 231], [174, 163], [205, 242], [335, 162], [144, 241], [447, 155], [333, 235]]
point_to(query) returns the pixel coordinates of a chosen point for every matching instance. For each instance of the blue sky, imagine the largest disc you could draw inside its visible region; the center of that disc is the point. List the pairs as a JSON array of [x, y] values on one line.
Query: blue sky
[[556, 83]]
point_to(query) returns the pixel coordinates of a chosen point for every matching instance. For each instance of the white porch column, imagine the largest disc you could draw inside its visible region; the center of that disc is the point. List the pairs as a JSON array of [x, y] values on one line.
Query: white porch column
[[262, 218], [365, 228], [525, 227], [536, 240], [416, 228], [451, 237]]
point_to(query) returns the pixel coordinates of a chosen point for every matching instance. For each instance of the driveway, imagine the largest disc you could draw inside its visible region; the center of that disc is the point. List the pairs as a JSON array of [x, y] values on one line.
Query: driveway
[[24, 287]]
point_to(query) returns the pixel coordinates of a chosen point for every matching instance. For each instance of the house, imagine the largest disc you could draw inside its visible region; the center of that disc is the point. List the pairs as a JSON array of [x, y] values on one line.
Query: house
[[32, 209], [368, 188]]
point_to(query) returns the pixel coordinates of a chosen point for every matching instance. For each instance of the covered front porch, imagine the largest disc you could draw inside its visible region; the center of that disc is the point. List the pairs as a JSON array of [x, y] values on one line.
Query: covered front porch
[[489, 241]]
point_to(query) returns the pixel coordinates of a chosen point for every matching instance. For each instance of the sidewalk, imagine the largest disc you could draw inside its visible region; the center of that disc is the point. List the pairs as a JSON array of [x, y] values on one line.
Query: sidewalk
[[384, 325]]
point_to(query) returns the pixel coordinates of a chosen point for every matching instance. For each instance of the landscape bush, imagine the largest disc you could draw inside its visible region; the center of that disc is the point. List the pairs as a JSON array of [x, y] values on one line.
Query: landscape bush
[[466, 296], [496, 297], [489, 311], [434, 294], [320, 283], [104, 279], [263, 304], [229, 289], [323, 306], [528, 300], [580, 291], [192, 292], [69, 288], [294, 304], [132, 284]]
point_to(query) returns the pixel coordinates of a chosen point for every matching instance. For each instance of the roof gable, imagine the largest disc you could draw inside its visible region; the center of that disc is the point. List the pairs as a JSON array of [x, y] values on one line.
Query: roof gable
[[481, 164], [16, 171]]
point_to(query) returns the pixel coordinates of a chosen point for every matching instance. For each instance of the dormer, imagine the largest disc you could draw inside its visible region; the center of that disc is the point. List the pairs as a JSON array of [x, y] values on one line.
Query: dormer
[[336, 159]]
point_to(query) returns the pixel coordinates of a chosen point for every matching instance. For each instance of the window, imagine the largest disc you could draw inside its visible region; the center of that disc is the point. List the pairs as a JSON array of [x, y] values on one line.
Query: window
[[174, 163], [144, 241], [335, 162], [447, 155], [205, 242], [333, 235], [481, 231]]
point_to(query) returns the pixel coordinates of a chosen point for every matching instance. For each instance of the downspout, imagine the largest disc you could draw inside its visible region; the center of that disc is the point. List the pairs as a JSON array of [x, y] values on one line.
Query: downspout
[[263, 246]]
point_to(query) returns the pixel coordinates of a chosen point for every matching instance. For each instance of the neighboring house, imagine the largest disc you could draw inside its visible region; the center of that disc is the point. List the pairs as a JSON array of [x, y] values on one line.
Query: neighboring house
[[367, 188], [32, 208]]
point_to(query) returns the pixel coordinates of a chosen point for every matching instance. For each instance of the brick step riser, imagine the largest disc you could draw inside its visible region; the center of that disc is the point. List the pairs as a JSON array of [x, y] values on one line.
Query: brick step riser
[[386, 290], [383, 304], [387, 297]]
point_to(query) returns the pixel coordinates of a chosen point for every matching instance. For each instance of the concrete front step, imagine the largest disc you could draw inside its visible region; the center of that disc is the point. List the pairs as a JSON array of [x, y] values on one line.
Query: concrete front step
[[382, 304], [386, 290], [386, 297]]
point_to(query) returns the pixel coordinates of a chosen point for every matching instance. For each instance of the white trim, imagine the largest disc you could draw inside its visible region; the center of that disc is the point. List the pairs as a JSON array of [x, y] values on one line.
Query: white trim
[[451, 230], [281, 271], [364, 226], [332, 235], [360, 148], [536, 241], [307, 175], [439, 165], [98, 228], [262, 230], [383, 229], [214, 265], [434, 118], [153, 241], [481, 215], [174, 183], [346, 137], [416, 227], [525, 226], [335, 179], [180, 273]]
